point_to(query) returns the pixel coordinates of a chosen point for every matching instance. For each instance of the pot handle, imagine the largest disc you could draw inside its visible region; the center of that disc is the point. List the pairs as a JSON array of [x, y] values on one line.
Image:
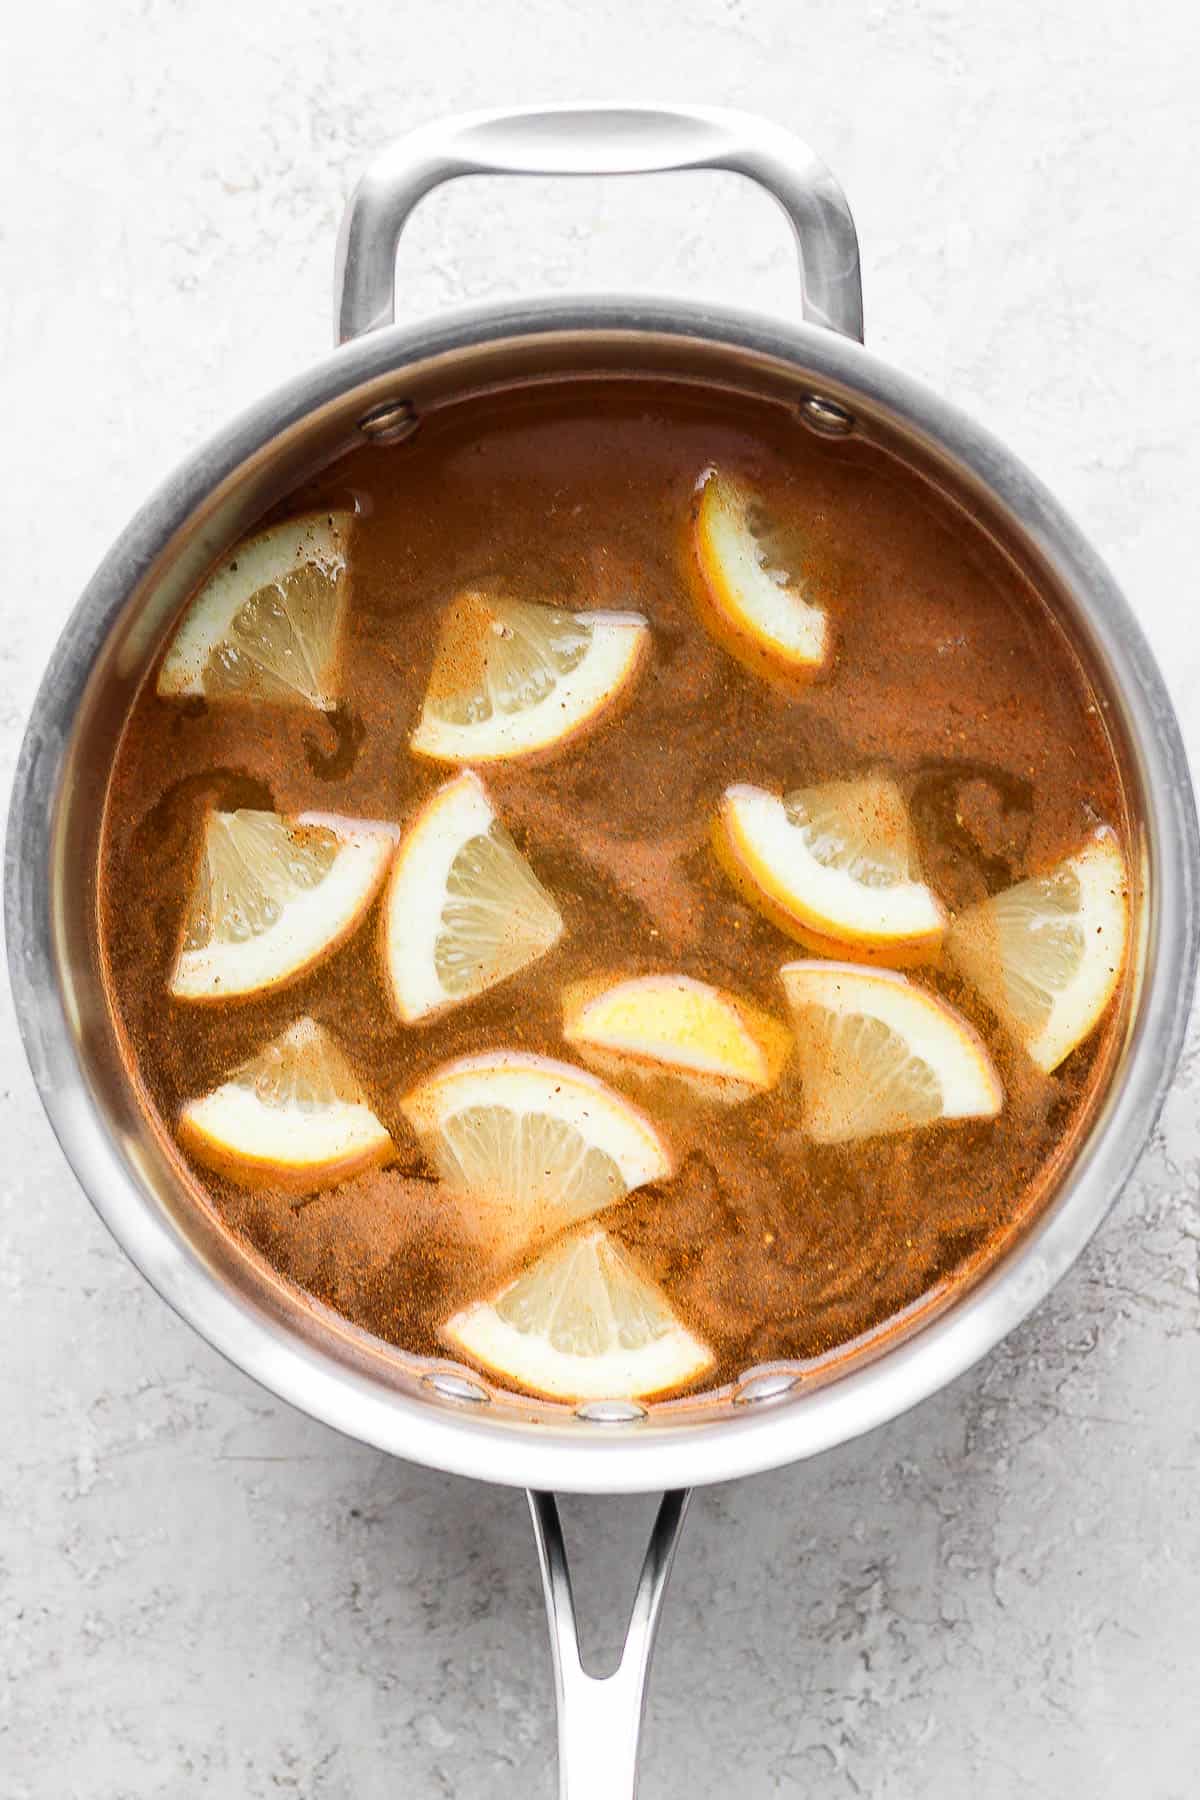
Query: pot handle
[[597, 140], [600, 1718]]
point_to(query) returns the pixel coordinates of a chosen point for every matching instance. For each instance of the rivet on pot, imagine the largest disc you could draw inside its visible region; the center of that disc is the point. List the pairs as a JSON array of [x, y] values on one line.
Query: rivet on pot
[[767, 1384], [610, 1412], [826, 416], [389, 423], [451, 1386]]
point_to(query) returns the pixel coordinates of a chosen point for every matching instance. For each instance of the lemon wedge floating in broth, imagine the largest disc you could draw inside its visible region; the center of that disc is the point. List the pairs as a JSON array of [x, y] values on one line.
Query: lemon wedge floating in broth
[[294, 1115], [833, 866], [1047, 954], [583, 1323], [463, 909], [530, 1145], [756, 610], [267, 625], [721, 1046], [878, 1054], [272, 896], [512, 677]]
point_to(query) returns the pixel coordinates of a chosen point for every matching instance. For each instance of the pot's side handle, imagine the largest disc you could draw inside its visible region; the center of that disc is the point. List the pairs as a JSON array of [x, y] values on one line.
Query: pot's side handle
[[597, 140], [600, 1720]]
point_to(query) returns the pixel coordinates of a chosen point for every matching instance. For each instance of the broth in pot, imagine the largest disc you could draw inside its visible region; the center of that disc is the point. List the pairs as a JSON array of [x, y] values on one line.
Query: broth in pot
[[617, 889]]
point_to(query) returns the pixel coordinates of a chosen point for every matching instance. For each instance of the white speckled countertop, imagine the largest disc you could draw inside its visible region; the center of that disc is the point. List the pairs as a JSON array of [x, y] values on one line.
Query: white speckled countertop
[[203, 1593]]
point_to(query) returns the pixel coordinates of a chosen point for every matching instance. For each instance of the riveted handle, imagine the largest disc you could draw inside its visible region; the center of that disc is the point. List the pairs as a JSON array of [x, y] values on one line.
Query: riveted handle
[[600, 1719], [597, 140]]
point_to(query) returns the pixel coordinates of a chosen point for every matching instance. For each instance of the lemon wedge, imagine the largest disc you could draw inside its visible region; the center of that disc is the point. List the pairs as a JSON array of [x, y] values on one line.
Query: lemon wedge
[[463, 910], [878, 1054], [511, 677], [754, 609], [531, 1145], [1048, 953], [294, 1114], [582, 1324], [720, 1045], [274, 895], [267, 625], [834, 867]]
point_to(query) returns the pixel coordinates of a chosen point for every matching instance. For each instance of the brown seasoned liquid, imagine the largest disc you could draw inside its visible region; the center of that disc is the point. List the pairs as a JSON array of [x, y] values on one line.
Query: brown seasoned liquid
[[949, 674]]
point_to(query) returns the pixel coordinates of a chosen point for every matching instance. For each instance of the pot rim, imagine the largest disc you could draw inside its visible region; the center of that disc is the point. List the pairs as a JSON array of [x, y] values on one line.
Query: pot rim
[[648, 1455]]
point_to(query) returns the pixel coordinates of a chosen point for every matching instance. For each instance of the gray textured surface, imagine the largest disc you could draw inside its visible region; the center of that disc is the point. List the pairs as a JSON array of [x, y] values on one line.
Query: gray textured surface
[[204, 1593]]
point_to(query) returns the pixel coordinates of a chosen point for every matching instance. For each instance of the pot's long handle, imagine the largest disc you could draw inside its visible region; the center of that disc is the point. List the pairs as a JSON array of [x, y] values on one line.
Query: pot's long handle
[[600, 1720], [597, 140]]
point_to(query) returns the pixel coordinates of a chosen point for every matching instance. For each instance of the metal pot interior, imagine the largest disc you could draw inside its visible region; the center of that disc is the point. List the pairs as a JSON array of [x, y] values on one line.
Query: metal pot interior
[[385, 385]]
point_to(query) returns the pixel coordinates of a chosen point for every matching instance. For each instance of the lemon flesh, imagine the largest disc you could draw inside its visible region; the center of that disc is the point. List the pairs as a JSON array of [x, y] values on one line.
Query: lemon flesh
[[295, 1113], [1047, 954], [272, 896], [530, 1145], [721, 1046], [511, 677], [582, 1324], [834, 867], [463, 911], [267, 625], [877, 1054], [756, 609]]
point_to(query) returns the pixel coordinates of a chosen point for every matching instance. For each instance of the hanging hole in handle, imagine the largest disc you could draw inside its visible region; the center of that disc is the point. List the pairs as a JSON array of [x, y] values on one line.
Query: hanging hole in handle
[[605, 1540]]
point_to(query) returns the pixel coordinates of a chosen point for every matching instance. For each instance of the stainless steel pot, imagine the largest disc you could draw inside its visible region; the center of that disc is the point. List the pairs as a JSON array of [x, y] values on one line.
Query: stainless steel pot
[[379, 385]]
